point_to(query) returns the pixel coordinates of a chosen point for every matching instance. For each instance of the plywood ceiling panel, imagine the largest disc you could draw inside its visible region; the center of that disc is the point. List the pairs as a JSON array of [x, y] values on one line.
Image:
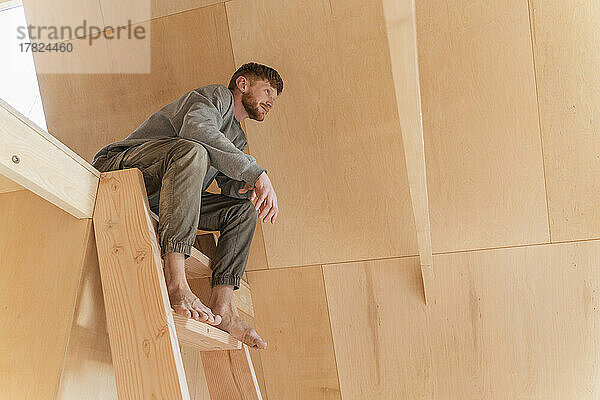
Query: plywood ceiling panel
[[567, 59], [482, 137], [514, 323], [332, 145]]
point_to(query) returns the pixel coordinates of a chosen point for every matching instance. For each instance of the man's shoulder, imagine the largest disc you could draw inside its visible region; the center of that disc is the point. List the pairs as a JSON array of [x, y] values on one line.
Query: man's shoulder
[[215, 90]]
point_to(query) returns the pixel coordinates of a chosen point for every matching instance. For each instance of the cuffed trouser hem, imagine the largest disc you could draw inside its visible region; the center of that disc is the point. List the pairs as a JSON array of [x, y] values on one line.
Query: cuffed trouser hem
[[226, 280], [177, 247]]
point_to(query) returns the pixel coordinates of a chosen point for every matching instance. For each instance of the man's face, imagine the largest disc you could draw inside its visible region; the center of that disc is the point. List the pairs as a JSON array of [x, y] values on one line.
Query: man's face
[[259, 99]]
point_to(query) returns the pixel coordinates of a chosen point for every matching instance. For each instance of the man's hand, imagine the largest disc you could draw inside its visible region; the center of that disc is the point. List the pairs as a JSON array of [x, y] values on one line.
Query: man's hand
[[266, 204], [246, 188]]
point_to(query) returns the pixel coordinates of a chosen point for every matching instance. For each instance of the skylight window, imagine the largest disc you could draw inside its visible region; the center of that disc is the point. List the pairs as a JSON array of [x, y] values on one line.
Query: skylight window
[[18, 80]]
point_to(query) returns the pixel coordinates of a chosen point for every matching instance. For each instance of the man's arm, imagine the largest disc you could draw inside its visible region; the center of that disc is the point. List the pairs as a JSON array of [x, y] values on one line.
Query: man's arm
[[229, 187], [202, 123]]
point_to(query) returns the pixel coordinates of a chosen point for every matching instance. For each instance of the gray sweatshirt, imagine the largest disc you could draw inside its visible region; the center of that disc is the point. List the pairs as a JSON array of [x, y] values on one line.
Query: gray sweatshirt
[[203, 115]]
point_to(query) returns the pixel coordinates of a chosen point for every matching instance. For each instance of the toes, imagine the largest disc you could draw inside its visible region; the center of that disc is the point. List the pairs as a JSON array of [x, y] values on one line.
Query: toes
[[194, 314], [259, 344], [202, 315], [257, 340], [211, 318], [181, 310]]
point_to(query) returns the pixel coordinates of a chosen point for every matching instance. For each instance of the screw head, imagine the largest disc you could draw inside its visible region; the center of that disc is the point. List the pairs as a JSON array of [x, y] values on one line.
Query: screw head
[[16, 159]]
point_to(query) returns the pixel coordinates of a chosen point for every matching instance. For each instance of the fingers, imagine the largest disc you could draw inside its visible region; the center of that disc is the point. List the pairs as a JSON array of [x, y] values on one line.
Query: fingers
[[276, 211], [260, 201], [269, 210], [266, 207], [269, 216]]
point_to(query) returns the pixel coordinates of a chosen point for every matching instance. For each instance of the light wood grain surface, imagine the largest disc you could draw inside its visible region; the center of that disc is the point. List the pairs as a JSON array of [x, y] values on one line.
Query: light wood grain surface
[[380, 329], [566, 59], [332, 144], [482, 137], [201, 288], [121, 102], [194, 372], [32, 158], [400, 22], [291, 316], [87, 371], [8, 185], [63, 13], [230, 375], [514, 323], [146, 355], [104, 13], [41, 252], [203, 336]]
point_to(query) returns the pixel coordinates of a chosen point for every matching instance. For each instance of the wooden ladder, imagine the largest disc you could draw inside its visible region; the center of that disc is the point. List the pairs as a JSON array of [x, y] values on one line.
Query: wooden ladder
[[146, 337]]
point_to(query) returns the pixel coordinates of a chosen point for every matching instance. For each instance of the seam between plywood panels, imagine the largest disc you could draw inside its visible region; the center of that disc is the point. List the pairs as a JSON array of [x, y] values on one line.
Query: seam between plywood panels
[[337, 375], [531, 10]]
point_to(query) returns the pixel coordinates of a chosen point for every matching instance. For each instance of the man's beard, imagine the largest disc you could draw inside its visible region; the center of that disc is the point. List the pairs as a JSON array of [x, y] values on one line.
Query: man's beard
[[252, 107]]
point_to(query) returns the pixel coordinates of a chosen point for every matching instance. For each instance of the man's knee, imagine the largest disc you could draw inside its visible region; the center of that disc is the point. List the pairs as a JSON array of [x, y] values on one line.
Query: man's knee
[[190, 154], [248, 212]]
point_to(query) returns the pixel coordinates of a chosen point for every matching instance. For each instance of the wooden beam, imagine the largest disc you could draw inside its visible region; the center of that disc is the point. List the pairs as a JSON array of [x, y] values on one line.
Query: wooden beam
[[230, 375], [143, 339], [6, 4], [34, 159], [203, 337], [402, 38], [197, 265]]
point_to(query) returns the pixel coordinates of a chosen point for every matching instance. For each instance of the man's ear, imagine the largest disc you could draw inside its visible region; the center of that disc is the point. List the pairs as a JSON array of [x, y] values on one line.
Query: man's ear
[[242, 83]]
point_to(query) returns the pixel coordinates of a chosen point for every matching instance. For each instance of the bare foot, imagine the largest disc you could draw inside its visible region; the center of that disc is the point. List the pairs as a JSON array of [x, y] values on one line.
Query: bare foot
[[184, 302], [237, 327]]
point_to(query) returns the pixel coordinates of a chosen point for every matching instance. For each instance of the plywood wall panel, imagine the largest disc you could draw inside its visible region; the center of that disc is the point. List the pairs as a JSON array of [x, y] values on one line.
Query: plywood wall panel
[[567, 59], [514, 323], [41, 252], [291, 316], [118, 13], [8, 185], [380, 329], [103, 13], [87, 371], [482, 138], [332, 144], [61, 13], [87, 111]]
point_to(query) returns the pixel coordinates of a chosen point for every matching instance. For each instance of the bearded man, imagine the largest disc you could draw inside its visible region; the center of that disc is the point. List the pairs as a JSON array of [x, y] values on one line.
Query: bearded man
[[180, 150]]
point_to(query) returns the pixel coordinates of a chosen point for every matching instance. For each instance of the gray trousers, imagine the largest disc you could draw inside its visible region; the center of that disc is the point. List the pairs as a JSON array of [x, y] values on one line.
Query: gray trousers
[[174, 170]]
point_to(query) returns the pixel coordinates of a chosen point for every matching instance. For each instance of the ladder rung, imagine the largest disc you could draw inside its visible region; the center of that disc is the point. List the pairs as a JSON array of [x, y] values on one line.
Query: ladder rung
[[202, 336], [197, 265]]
